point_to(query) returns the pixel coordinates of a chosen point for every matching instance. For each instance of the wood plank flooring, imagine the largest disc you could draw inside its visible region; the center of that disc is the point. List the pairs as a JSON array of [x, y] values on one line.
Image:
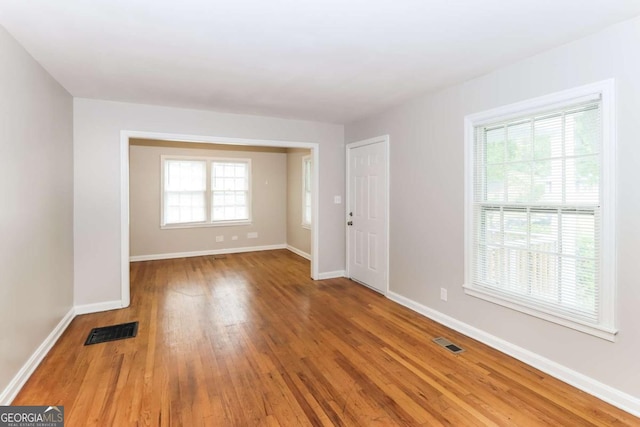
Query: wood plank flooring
[[248, 339]]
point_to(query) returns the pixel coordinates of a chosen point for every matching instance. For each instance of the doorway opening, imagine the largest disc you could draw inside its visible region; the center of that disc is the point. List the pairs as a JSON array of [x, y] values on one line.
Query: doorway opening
[[125, 141]]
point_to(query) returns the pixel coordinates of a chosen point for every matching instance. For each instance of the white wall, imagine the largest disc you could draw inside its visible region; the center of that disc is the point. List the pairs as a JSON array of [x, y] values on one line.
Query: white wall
[[97, 126], [36, 244], [427, 201], [269, 200], [298, 236]]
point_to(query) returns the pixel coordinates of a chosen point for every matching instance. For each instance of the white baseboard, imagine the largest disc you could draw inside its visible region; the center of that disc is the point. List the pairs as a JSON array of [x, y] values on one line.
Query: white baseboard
[[97, 307], [16, 384], [299, 252], [331, 275], [615, 397], [154, 257]]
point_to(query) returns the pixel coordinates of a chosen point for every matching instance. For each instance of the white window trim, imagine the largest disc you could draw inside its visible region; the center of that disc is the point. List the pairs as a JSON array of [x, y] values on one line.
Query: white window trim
[[208, 198], [606, 326], [306, 225]]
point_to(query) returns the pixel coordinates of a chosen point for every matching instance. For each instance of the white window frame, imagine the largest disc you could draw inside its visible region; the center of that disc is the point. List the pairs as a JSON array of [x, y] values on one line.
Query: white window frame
[[306, 160], [208, 222], [605, 327]]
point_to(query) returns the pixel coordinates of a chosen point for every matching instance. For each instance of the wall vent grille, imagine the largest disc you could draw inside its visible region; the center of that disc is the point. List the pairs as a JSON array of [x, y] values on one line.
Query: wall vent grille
[[443, 342]]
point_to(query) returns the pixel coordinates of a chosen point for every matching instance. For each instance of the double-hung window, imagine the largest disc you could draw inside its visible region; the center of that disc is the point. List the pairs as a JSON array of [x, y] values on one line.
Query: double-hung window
[[306, 191], [205, 191], [539, 211]]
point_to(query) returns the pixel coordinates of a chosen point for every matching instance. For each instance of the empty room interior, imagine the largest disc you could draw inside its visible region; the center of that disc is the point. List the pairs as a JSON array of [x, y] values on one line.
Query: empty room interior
[[321, 213]]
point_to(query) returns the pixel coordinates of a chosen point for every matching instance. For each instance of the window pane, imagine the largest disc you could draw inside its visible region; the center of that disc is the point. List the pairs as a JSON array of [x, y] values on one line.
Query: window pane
[[517, 270], [229, 198], [582, 180], [515, 228], [218, 213], [229, 184], [218, 169], [547, 181], [518, 181], [218, 184], [184, 206], [495, 145], [185, 175], [548, 137], [519, 142], [544, 232], [544, 276], [579, 238], [172, 214], [495, 183], [493, 228], [582, 132]]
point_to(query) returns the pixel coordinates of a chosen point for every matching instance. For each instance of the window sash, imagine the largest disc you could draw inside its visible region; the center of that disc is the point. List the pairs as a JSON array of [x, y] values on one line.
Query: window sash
[[229, 191], [184, 187], [545, 256]]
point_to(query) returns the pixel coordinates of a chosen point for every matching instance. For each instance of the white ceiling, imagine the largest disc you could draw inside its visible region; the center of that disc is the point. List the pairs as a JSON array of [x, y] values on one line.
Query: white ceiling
[[325, 60]]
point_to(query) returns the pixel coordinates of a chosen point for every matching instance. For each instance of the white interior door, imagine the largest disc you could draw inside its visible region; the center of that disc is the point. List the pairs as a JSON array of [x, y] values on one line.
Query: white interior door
[[367, 225]]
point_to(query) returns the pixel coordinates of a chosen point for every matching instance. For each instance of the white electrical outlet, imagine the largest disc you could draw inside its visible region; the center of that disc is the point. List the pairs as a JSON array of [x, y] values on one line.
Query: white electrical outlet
[[234, 237], [219, 239], [443, 294], [252, 235]]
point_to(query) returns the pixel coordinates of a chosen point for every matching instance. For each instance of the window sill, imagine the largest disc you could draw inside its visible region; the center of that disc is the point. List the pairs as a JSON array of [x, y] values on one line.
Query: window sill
[[205, 224], [600, 331]]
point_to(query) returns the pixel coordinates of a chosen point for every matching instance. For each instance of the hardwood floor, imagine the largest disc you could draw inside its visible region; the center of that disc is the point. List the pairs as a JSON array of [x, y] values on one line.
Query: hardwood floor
[[249, 339]]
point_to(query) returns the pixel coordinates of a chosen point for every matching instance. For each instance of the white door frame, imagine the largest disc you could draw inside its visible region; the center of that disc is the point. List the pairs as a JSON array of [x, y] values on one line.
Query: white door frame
[[125, 135], [384, 139]]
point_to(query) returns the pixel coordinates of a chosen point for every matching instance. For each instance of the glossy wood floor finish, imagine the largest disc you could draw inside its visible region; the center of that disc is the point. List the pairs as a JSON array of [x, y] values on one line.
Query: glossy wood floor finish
[[250, 340]]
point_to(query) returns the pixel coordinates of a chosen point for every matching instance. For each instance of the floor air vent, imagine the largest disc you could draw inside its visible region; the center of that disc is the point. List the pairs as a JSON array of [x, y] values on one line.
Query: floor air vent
[[443, 342], [112, 333]]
